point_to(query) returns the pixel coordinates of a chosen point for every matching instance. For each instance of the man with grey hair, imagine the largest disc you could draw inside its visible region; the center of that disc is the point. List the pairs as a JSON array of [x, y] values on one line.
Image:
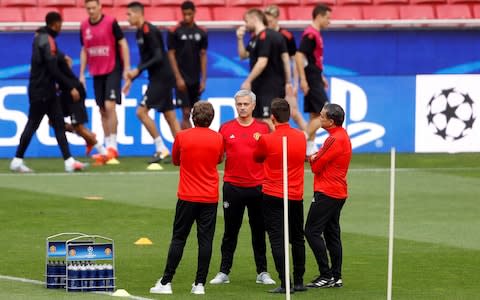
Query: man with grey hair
[[242, 187]]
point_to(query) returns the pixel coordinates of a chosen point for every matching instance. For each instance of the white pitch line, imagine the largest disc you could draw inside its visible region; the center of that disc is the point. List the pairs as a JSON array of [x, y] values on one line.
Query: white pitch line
[[38, 282], [354, 170]]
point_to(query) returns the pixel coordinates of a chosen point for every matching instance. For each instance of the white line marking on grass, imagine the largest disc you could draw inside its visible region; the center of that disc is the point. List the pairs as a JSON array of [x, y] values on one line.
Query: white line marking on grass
[[38, 282], [307, 170]]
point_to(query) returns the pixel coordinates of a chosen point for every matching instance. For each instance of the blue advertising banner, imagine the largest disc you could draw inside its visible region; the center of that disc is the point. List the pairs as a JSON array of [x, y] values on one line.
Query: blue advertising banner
[[371, 73], [90, 252]]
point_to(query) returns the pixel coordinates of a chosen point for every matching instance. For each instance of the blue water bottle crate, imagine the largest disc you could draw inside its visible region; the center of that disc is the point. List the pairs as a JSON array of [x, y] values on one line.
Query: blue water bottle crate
[[79, 262]]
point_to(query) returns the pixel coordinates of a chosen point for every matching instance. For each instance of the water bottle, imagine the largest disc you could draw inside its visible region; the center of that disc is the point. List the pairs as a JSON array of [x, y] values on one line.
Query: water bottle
[[50, 278], [92, 274], [62, 272], [101, 275], [73, 282], [84, 277], [110, 280]]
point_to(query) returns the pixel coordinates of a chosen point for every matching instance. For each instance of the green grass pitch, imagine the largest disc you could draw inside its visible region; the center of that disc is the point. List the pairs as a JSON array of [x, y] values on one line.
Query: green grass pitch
[[437, 229]]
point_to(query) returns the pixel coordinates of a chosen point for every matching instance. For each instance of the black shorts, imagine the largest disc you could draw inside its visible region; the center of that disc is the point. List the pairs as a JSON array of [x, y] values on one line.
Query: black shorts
[[190, 97], [158, 96], [265, 94], [108, 87], [75, 110], [316, 98]]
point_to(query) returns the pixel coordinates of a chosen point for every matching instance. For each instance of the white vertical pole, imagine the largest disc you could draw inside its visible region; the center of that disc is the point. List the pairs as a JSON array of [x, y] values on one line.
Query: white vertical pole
[[285, 218], [391, 222]]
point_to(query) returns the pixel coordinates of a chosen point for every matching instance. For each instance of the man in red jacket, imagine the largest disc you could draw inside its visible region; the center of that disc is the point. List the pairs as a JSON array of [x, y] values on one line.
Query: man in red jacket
[[330, 167], [269, 151], [197, 151]]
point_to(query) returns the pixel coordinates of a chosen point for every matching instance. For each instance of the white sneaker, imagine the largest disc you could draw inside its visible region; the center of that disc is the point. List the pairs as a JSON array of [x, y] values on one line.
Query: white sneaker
[[72, 165], [159, 288], [198, 289], [220, 278], [265, 278], [17, 165]]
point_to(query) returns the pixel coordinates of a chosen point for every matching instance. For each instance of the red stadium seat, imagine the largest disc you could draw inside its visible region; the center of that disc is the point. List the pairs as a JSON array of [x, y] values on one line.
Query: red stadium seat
[[428, 1], [119, 13], [37, 14], [249, 3], [153, 14], [201, 14], [11, 14], [210, 2], [354, 2], [476, 11], [104, 3], [300, 13], [167, 2], [74, 14], [417, 12], [454, 12], [390, 2], [228, 13], [118, 3], [19, 3], [380, 12], [347, 13], [282, 2], [315, 2], [464, 1], [57, 3]]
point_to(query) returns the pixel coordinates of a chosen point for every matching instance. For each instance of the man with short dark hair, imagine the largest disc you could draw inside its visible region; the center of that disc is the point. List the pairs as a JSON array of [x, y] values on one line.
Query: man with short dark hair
[[309, 59], [105, 50], [187, 51], [269, 150], [197, 151], [242, 187], [330, 167], [269, 75], [158, 95], [42, 94]]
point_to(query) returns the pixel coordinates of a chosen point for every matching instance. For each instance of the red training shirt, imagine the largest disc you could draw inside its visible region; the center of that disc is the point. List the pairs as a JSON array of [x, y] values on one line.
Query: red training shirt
[[330, 164], [197, 151], [240, 142], [269, 151]]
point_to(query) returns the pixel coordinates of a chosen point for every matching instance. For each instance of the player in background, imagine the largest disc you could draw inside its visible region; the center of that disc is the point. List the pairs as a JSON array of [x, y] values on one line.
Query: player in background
[[158, 95], [269, 150], [187, 50], [105, 50], [42, 94], [76, 110], [313, 83], [242, 187], [269, 75], [197, 151], [330, 168], [272, 12]]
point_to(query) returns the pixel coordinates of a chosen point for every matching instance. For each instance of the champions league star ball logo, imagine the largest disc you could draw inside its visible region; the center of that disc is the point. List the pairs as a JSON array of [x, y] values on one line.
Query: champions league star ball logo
[[451, 114]]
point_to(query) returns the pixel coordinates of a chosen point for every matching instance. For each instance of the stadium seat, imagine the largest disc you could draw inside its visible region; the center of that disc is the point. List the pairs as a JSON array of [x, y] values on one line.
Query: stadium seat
[[228, 13], [118, 3], [354, 2], [380, 12], [74, 14], [282, 2], [167, 2], [464, 1], [427, 1], [153, 14], [201, 14], [249, 3], [17, 3], [476, 11], [37, 14], [453, 12], [417, 12], [105, 3], [347, 13], [119, 13], [57, 3], [381, 2], [315, 2], [300, 13], [210, 2], [11, 14]]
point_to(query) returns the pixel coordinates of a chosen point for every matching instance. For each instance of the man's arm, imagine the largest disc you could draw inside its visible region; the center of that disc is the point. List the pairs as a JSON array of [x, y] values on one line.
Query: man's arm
[[203, 69], [180, 82], [242, 51], [176, 151], [286, 67], [300, 62], [260, 152], [125, 55], [327, 153], [83, 66], [256, 71]]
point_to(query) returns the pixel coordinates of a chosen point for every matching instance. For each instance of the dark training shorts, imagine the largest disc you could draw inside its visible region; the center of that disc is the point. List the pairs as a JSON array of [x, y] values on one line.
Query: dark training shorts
[[108, 87], [189, 98], [158, 97]]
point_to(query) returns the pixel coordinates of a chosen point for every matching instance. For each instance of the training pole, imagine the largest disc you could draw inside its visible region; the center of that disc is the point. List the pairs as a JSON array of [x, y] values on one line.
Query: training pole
[[390, 225], [285, 218]]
